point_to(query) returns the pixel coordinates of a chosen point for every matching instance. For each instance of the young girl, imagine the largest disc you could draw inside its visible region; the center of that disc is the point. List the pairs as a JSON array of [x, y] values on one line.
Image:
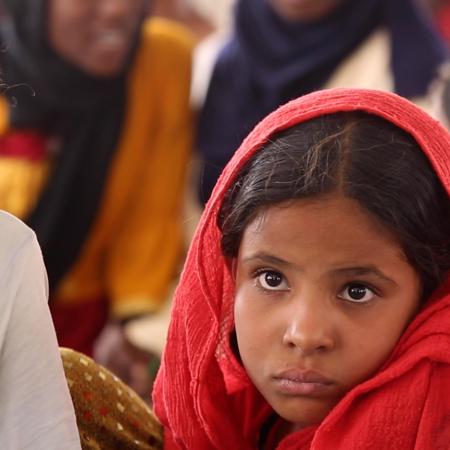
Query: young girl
[[314, 307]]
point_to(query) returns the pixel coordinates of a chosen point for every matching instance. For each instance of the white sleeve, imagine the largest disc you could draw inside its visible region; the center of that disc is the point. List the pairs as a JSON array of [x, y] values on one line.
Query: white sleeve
[[36, 412]]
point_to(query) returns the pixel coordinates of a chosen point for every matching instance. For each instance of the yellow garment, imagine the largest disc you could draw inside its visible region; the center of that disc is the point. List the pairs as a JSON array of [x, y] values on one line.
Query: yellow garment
[[134, 246]]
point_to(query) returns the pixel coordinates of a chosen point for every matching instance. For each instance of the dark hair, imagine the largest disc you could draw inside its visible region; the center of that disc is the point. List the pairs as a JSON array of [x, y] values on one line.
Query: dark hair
[[364, 157]]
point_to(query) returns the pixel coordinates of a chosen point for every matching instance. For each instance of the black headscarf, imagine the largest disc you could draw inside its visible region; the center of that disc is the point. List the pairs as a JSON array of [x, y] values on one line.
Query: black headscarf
[[84, 113], [270, 61]]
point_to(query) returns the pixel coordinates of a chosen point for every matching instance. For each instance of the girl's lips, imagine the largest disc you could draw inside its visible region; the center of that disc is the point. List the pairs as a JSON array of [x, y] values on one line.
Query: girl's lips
[[297, 382]]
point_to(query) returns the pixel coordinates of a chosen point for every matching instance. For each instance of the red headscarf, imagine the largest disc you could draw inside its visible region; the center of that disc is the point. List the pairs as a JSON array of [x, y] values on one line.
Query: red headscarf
[[202, 394]]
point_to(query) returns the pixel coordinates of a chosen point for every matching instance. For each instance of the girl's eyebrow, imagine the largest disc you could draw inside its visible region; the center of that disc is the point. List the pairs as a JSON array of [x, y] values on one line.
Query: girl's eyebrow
[[268, 258], [365, 270]]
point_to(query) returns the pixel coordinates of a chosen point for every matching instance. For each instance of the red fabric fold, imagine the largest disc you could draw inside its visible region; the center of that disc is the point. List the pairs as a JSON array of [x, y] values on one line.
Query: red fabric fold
[[202, 394]]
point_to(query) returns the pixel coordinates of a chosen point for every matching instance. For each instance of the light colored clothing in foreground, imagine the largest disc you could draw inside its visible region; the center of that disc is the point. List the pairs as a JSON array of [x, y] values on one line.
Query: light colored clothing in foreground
[[36, 412]]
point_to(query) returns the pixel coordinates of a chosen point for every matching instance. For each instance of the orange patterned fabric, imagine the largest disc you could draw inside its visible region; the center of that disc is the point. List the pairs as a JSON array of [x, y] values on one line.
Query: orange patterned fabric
[[109, 414]]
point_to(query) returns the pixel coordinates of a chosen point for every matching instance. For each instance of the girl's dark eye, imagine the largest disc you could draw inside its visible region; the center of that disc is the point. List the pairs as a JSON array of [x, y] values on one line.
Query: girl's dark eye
[[272, 280], [357, 293]]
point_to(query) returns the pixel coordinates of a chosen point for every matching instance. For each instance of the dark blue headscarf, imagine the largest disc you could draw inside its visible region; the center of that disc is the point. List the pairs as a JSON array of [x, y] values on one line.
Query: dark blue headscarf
[[270, 61]]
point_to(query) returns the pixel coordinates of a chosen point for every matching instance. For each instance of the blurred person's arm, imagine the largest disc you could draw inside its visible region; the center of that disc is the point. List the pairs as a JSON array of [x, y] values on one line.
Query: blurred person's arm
[[148, 247]]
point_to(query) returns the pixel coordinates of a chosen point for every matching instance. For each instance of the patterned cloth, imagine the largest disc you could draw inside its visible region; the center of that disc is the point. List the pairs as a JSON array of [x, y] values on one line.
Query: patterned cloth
[[110, 415]]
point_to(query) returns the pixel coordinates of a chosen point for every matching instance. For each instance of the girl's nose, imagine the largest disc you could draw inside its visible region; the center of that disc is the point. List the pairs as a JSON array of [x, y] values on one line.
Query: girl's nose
[[310, 328]]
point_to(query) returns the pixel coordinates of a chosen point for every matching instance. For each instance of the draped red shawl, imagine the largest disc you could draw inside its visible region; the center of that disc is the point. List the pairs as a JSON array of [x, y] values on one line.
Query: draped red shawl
[[202, 394]]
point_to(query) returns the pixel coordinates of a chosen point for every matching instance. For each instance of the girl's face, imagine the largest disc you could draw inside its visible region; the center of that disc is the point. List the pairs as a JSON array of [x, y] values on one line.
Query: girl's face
[[304, 10], [94, 35], [323, 293]]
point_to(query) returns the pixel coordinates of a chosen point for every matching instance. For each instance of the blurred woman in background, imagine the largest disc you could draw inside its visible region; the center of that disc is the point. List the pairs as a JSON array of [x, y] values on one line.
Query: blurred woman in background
[[281, 49], [95, 135]]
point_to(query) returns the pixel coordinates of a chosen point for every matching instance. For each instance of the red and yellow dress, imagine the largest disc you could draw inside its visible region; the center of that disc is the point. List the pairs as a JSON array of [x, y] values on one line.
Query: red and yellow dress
[[134, 246]]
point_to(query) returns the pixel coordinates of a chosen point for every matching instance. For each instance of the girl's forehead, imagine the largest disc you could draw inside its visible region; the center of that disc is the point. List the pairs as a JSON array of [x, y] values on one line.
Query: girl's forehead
[[314, 219]]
